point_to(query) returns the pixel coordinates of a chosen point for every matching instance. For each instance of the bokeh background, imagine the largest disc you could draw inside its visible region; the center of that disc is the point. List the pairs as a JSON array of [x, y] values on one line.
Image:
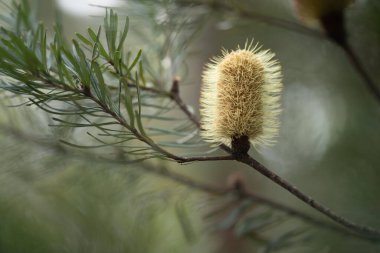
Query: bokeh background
[[328, 144]]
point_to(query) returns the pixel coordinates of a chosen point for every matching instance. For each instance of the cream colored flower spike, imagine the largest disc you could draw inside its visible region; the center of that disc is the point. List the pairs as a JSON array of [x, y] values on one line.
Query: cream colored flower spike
[[240, 97]]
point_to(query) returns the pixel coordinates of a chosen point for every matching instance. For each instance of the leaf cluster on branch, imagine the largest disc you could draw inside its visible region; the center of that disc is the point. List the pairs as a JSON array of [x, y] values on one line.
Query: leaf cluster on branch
[[93, 85]]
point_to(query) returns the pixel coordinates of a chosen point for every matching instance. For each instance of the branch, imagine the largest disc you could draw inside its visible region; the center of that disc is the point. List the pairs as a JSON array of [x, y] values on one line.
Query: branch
[[363, 231], [239, 191], [175, 96], [334, 26], [135, 132], [88, 74], [242, 193], [246, 159], [371, 85]]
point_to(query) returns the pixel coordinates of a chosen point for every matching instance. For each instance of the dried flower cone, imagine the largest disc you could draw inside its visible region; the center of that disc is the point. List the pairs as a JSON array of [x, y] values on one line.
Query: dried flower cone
[[240, 97]]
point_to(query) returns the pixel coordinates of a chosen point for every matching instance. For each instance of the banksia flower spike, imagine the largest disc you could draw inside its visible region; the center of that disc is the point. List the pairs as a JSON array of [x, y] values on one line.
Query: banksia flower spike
[[240, 98]]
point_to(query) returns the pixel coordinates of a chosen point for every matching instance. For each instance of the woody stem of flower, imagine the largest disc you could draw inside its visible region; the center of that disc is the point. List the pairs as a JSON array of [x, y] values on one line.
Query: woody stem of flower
[[363, 230], [243, 157], [241, 192]]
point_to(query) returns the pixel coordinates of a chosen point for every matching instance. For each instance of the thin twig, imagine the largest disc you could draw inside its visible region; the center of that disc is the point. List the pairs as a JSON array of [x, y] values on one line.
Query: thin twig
[[246, 159], [245, 194], [243, 158], [240, 192], [180, 159], [174, 95], [362, 230], [150, 142], [334, 25], [371, 85], [251, 162]]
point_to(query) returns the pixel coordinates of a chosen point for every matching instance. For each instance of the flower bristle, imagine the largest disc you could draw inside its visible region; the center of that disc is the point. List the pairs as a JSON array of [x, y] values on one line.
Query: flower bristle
[[241, 96]]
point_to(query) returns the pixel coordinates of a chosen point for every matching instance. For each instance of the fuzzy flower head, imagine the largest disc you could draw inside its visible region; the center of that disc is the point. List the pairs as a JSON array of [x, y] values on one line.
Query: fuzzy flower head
[[240, 96]]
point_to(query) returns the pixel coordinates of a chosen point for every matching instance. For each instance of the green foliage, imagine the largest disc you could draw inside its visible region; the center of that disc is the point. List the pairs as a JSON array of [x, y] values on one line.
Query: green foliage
[[98, 82], [117, 107], [60, 203], [90, 83]]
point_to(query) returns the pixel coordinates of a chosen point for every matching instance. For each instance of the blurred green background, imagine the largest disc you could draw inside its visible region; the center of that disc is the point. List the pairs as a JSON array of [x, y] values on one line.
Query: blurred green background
[[328, 145]]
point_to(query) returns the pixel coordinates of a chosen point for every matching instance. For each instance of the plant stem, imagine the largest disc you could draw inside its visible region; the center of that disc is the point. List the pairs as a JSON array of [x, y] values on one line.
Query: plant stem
[[372, 87], [335, 28], [248, 160], [241, 192], [174, 94], [251, 162]]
